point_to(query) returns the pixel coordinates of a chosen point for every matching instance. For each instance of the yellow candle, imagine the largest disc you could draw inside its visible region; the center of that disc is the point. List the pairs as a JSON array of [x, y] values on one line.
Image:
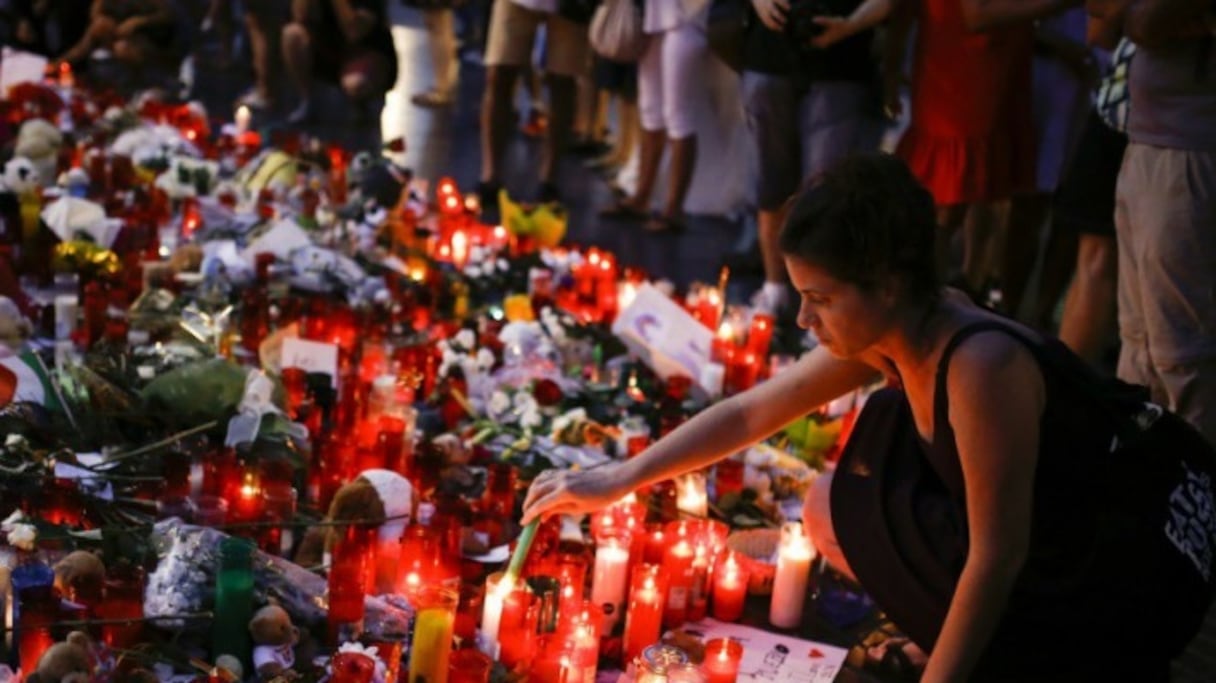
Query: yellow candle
[[432, 643]]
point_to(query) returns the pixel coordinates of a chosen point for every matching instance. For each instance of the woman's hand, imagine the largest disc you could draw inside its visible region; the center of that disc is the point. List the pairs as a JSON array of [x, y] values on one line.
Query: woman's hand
[[559, 491], [772, 13], [835, 29]]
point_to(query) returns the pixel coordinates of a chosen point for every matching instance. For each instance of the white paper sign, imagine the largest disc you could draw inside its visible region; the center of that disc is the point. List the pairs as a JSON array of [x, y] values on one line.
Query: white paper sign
[[18, 67], [665, 336], [773, 657], [311, 356]]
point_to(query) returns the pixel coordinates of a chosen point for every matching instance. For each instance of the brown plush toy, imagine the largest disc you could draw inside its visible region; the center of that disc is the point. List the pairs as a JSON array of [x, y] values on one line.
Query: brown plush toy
[[274, 638], [80, 576], [69, 661], [374, 496]]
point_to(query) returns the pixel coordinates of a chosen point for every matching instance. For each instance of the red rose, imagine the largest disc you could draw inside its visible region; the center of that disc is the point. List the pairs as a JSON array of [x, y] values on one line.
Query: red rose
[[547, 392]]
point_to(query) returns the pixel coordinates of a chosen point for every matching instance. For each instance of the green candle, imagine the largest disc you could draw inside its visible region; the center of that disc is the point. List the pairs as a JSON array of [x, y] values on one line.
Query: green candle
[[233, 599]]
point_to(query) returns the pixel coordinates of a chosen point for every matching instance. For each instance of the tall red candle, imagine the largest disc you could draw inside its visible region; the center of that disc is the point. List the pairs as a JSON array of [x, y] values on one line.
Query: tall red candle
[[644, 615]]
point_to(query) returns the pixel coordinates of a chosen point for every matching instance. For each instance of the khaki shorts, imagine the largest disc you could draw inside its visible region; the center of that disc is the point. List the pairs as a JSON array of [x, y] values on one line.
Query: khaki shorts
[[1165, 221], [513, 33]]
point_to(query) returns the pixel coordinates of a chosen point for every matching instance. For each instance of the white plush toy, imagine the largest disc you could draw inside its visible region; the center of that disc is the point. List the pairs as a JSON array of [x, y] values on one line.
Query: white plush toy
[[20, 176], [39, 141]]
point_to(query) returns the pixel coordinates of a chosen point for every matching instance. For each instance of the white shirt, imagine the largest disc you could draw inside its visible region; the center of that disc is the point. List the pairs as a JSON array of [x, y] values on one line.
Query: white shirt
[[547, 6]]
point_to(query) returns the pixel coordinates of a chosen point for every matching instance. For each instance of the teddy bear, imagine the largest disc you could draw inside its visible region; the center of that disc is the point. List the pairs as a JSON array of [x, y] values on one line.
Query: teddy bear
[[39, 141], [274, 638], [376, 495], [70, 661], [80, 576]]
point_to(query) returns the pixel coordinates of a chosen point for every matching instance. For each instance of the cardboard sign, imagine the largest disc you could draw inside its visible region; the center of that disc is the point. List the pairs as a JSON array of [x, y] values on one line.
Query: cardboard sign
[[665, 337], [311, 356]]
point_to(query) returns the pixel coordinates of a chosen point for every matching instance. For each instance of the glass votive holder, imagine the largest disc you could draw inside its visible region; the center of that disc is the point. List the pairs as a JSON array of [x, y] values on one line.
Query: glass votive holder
[[210, 511], [721, 663], [431, 647], [469, 666]]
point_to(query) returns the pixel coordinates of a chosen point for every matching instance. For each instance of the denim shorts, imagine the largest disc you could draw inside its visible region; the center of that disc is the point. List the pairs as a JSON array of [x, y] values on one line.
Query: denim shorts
[[799, 134]]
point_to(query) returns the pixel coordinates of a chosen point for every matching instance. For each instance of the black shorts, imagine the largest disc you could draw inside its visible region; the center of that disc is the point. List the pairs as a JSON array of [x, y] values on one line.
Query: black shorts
[[1085, 201]]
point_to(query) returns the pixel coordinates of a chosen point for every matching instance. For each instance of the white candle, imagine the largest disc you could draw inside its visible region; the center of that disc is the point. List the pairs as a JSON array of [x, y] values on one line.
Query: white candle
[[242, 118], [794, 557], [692, 499], [611, 577], [491, 612]]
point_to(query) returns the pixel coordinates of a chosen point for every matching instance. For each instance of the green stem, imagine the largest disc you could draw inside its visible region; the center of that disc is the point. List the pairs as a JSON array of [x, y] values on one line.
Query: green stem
[[521, 552]]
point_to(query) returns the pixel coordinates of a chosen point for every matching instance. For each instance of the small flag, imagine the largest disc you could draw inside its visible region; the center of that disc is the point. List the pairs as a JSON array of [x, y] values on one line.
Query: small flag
[[25, 379]]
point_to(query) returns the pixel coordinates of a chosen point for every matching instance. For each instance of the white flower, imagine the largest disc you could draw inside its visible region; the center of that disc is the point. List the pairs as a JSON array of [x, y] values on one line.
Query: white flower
[[13, 440], [22, 536], [524, 400], [450, 357], [472, 270], [503, 266], [485, 359], [499, 403], [466, 339], [531, 416], [561, 422]]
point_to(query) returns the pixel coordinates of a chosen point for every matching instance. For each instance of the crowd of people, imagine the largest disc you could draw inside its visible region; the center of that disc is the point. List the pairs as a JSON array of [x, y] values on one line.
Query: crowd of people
[[1054, 152]]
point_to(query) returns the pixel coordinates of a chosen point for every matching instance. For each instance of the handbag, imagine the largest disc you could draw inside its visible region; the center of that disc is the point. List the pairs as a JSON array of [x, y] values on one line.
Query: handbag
[[616, 31], [727, 30]]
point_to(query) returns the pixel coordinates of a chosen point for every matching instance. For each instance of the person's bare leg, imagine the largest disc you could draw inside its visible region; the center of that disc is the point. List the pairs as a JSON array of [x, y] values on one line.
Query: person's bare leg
[[1059, 264], [99, 34], [628, 132], [653, 142], [683, 163], [265, 49], [949, 220], [496, 107], [441, 37], [562, 92], [1088, 323], [1024, 228], [979, 229]]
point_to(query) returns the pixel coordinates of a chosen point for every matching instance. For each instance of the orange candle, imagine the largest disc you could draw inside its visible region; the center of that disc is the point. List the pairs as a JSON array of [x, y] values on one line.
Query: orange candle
[[722, 657], [644, 617], [677, 564], [730, 589], [761, 334]]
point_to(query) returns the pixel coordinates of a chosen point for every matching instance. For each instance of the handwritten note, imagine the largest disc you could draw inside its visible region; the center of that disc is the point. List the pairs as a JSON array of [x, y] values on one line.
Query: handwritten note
[[311, 356], [665, 336]]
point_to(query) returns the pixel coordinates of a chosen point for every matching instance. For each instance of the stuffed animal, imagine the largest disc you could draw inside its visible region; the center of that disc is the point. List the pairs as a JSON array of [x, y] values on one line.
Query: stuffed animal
[[70, 661], [274, 638], [376, 495], [80, 573], [14, 327], [39, 141]]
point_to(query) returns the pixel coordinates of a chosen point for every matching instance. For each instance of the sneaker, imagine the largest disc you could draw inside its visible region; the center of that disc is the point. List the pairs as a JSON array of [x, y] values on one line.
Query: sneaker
[[301, 114], [254, 99]]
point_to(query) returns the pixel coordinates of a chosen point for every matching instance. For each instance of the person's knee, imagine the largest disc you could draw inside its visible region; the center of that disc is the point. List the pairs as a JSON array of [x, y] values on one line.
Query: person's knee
[[500, 81], [295, 35], [1098, 259]]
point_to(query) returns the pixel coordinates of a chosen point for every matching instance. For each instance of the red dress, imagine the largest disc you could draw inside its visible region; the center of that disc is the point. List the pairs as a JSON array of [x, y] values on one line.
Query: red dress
[[971, 137]]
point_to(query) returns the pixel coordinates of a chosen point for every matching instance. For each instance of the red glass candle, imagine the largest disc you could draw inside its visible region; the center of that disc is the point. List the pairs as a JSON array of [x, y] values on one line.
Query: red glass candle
[[677, 565], [656, 543], [469, 666], [760, 334], [721, 663], [351, 667], [728, 477], [644, 615], [124, 600], [351, 556], [517, 629]]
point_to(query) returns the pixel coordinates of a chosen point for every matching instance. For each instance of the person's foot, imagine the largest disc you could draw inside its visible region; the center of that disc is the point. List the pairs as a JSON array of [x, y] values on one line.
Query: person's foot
[[301, 114], [659, 222], [548, 193], [536, 124], [255, 99], [589, 147], [623, 210], [431, 99]]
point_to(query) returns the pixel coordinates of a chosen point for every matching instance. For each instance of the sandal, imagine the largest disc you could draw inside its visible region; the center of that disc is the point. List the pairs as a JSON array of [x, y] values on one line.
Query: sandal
[[662, 223]]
